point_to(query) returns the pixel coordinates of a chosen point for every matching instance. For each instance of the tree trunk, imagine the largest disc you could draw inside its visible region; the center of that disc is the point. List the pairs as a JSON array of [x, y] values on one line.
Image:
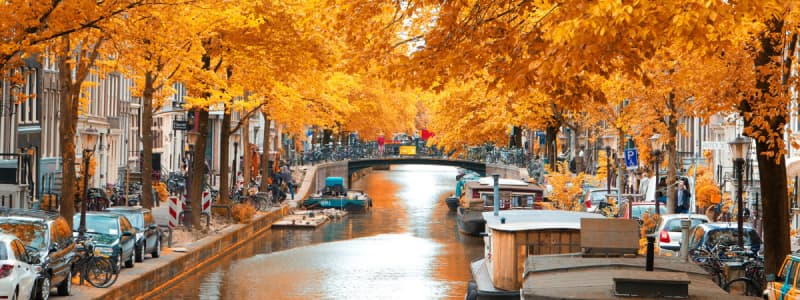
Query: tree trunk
[[198, 168], [224, 171], [67, 128], [265, 165], [551, 132], [246, 172], [671, 153], [147, 140], [773, 172]]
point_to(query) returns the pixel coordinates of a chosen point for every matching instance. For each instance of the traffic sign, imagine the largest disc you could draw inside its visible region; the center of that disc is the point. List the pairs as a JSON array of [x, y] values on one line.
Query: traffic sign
[[180, 125], [631, 158]]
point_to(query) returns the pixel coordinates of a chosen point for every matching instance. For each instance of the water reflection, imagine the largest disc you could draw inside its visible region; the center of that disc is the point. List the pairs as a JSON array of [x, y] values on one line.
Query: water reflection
[[406, 247]]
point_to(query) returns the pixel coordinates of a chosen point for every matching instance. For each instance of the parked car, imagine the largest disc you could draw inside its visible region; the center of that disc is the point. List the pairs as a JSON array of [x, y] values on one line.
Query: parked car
[[784, 285], [148, 235], [113, 236], [595, 201], [669, 231], [18, 269], [705, 236], [48, 236], [635, 210]]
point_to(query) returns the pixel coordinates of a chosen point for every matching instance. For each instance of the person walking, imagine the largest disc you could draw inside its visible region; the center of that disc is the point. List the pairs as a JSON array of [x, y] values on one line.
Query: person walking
[[644, 182], [286, 175], [683, 198]]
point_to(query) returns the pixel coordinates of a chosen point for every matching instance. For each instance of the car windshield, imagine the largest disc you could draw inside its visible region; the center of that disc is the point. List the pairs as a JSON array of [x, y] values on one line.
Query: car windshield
[[600, 195], [728, 236], [638, 210], [31, 233], [135, 218], [674, 225], [98, 224]]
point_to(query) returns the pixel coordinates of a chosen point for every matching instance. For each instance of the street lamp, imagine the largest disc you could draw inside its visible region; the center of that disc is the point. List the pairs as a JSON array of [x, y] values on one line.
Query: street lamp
[[236, 137], [191, 137], [740, 146], [89, 141], [608, 169], [655, 146]]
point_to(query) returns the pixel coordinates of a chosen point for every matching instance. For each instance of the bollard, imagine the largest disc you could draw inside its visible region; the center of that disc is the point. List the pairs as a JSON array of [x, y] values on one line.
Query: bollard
[[650, 252], [685, 224]]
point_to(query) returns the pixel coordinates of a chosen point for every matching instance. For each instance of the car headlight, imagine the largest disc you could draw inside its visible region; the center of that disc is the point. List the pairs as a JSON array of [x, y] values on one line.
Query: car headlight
[[103, 251]]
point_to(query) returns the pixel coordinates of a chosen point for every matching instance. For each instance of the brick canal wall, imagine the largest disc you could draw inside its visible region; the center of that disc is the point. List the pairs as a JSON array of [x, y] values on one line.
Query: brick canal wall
[[201, 253]]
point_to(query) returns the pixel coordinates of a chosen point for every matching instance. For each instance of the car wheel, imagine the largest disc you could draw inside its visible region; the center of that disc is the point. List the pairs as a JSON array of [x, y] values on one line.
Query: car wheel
[[64, 289], [119, 263], [129, 263], [43, 293], [157, 251], [139, 253]]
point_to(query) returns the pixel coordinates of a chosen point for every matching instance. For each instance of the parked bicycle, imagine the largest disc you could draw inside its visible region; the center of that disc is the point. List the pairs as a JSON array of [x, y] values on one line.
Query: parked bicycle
[[753, 281], [96, 269]]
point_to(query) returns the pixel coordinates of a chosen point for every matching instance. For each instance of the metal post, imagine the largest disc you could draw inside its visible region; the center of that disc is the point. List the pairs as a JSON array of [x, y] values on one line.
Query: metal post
[[608, 170], [187, 219], [496, 178], [82, 225], [235, 159], [656, 154], [685, 224], [739, 163], [650, 252]]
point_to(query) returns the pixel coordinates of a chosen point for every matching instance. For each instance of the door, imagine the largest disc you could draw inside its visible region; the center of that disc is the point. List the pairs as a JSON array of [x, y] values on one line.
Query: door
[[26, 273], [127, 243], [59, 260], [151, 235]]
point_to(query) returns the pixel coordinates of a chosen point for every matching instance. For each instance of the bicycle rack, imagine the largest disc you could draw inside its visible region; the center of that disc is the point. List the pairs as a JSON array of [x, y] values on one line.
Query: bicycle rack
[[169, 236], [226, 207]]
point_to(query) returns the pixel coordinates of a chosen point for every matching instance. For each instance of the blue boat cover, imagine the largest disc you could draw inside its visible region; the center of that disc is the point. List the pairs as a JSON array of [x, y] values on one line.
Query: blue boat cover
[[334, 181]]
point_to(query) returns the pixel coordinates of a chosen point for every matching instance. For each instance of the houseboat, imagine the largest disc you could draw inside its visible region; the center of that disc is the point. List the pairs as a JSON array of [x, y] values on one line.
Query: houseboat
[[335, 195], [465, 176], [511, 237], [479, 197]]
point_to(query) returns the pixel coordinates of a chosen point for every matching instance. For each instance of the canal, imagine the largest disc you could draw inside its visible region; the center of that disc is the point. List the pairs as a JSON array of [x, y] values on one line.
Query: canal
[[406, 247]]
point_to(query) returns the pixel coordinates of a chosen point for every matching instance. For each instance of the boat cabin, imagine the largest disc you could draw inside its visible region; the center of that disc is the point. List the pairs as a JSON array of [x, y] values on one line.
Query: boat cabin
[[334, 186], [514, 194], [514, 235]]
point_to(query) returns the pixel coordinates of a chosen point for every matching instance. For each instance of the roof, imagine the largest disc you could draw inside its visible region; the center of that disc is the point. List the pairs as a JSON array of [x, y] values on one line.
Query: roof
[[33, 214], [684, 216], [517, 220], [99, 213], [127, 209], [501, 181], [721, 225], [505, 184]]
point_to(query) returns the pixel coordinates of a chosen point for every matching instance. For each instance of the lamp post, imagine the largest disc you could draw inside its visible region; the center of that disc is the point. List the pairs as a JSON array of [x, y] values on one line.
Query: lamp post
[[236, 137], [740, 146], [191, 138], [655, 145], [608, 169], [88, 140]]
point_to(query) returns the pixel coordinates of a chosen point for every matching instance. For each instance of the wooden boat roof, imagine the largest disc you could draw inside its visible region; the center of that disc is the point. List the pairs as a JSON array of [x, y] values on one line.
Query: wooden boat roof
[[526, 219], [504, 183]]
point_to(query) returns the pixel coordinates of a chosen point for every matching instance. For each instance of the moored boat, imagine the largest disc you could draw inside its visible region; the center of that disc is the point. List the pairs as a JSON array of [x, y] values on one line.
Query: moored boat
[[461, 179], [479, 197], [335, 195], [511, 237]]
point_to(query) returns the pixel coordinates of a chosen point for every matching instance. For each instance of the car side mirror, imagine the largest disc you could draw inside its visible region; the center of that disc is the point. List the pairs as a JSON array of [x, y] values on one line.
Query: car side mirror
[[127, 233], [34, 259], [153, 226], [771, 278]]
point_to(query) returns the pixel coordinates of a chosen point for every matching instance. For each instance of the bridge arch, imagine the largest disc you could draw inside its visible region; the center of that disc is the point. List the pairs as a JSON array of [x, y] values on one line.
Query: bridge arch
[[356, 165]]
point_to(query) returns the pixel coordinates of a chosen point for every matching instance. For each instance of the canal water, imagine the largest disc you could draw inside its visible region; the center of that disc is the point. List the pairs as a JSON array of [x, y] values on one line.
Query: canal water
[[406, 247]]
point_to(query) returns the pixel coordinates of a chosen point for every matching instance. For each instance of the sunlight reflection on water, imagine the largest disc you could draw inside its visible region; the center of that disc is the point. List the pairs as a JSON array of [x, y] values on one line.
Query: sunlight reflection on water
[[406, 247]]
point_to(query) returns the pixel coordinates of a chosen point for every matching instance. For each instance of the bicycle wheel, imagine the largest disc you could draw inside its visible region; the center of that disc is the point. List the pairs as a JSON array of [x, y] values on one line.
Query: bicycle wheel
[[745, 286], [99, 272]]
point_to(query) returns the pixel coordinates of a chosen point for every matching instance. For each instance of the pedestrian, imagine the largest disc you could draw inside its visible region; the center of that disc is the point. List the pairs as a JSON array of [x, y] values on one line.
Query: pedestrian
[[536, 169], [644, 182], [683, 198], [286, 176], [381, 140]]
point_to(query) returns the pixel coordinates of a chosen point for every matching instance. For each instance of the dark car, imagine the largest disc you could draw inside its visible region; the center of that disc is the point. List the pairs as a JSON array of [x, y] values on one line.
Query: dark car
[[148, 235], [50, 238], [706, 236], [112, 234]]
